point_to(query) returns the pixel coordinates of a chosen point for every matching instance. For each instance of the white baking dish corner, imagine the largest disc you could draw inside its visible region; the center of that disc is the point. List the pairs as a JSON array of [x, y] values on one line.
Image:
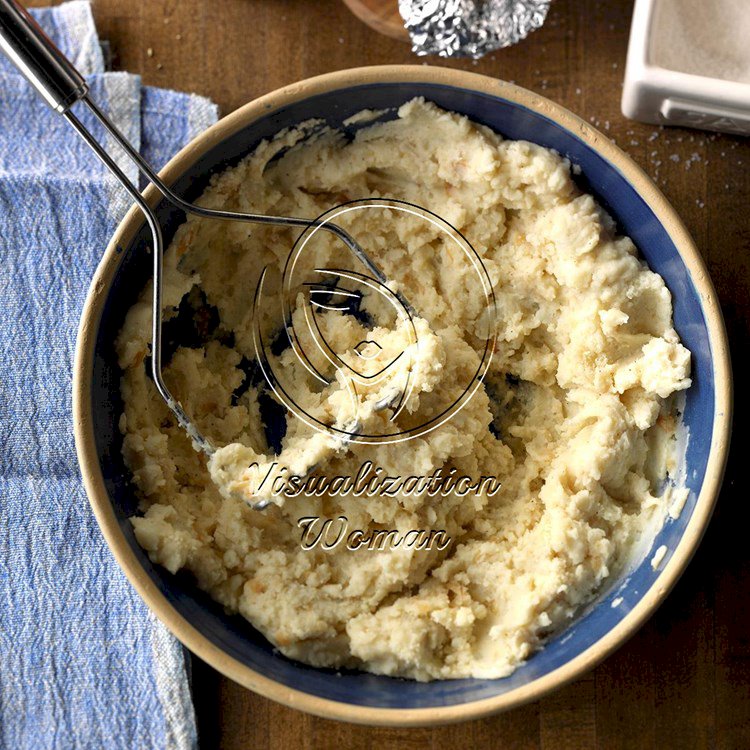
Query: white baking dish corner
[[667, 97]]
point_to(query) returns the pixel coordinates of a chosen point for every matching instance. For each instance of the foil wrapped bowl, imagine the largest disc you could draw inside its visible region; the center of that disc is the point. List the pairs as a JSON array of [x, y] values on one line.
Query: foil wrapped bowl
[[469, 28], [229, 643]]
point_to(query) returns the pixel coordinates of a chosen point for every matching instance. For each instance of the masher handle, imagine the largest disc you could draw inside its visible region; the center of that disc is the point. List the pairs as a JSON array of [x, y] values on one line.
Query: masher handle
[[38, 59]]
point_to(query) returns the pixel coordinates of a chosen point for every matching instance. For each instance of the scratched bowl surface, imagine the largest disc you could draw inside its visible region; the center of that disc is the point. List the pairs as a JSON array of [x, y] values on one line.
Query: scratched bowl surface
[[229, 642]]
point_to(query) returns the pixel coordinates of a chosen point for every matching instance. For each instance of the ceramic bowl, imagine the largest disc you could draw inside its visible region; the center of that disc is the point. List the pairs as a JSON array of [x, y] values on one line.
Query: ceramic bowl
[[229, 643]]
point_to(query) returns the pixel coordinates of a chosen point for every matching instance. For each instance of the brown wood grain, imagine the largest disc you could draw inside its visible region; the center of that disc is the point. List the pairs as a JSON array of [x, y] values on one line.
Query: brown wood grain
[[380, 15], [684, 680]]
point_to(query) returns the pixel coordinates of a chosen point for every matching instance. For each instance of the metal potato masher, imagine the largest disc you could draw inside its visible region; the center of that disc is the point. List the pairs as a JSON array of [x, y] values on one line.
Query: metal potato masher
[[58, 82]]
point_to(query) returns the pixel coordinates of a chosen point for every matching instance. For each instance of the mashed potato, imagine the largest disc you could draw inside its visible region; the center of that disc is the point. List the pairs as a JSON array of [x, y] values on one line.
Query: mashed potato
[[572, 416]]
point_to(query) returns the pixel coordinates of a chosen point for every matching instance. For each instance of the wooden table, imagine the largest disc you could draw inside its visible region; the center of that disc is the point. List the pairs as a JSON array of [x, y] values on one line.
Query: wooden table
[[684, 680]]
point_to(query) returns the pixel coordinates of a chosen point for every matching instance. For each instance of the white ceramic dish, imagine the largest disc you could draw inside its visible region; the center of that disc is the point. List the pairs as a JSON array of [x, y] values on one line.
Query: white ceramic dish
[[668, 97]]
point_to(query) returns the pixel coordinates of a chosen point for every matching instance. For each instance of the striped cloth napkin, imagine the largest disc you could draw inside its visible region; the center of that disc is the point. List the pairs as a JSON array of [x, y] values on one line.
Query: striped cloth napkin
[[83, 663]]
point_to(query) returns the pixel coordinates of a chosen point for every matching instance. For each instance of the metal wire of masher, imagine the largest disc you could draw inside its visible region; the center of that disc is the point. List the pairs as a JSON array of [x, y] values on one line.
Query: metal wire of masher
[[60, 84], [199, 440]]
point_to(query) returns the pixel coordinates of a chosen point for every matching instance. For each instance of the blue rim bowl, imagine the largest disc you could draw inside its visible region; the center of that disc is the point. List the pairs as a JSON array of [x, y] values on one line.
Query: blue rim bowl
[[229, 643]]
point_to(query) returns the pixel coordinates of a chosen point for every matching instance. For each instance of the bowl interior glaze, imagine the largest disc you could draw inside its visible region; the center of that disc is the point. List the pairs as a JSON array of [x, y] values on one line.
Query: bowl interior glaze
[[232, 634]]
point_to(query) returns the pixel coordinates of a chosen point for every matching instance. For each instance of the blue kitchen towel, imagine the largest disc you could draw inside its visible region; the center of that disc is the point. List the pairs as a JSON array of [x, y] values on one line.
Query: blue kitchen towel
[[35, 141], [83, 663], [71, 27]]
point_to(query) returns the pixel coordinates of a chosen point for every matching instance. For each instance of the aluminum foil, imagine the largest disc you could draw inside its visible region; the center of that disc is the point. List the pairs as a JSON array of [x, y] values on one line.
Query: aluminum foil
[[469, 28]]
